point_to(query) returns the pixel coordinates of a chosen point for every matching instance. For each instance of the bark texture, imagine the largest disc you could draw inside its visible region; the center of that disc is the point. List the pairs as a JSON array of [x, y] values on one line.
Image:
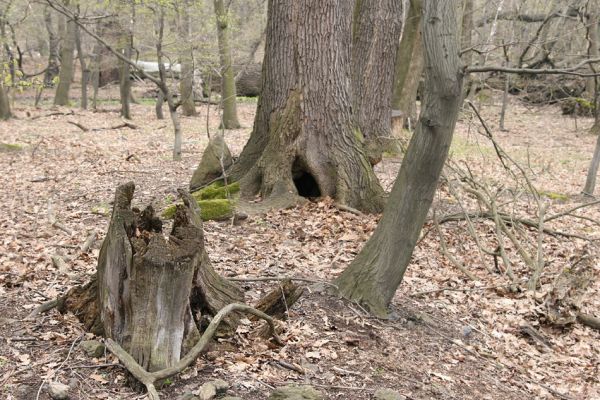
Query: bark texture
[[228, 95], [373, 277], [53, 39], [186, 57], [65, 75], [149, 292], [376, 33], [305, 140], [409, 67]]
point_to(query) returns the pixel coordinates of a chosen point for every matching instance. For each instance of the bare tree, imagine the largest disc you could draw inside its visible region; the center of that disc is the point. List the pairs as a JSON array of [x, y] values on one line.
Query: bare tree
[[65, 76]]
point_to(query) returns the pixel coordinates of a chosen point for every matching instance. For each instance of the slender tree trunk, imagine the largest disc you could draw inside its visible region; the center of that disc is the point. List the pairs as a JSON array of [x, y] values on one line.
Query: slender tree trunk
[[376, 33], [230, 118], [590, 183], [594, 52], [186, 57], [65, 76], [373, 277], [5, 112], [52, 69], [126, 41], [409, 67], [305, 140], [466, 38], [85, 72]]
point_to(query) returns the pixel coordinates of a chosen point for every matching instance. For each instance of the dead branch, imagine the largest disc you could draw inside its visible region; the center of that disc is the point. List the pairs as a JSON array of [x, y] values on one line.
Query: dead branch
[[44, 307], [150, 378], [533, 71], [80, 126], [571, 210], [89, 242], [54, 222], [124, 124], [53, 114], [444, 251]]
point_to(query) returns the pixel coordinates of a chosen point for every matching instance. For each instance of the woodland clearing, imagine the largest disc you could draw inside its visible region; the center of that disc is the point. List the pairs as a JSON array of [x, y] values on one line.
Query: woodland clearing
[[451, 338]]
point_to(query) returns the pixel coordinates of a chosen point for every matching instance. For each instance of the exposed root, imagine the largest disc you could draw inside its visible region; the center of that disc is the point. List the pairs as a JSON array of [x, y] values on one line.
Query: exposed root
[[150, 378]]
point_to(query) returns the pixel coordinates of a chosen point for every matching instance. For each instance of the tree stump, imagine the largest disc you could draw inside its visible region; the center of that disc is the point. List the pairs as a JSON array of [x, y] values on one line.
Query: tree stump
[[150, 289]]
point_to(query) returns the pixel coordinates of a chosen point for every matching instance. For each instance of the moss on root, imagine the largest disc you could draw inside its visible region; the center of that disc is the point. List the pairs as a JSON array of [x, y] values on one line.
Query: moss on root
[[215, 209], [217, 191], [214, 201], [10, 147]]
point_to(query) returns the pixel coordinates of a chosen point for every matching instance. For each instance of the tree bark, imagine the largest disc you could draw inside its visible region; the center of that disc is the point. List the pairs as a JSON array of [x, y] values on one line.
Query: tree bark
[[590, 182], [126, 44], [373, 277], [228, 95], [305, 140], [149, 292], [65, 76], [186, 57], [85, 72], [52, 69], [409, 67], [594, 52], [5, 112], [376, 33]]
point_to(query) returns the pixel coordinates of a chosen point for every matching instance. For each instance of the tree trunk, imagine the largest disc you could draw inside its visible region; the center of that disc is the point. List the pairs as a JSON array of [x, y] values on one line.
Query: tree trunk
[[376, 32], [590, 183], [186, 57], [126, 41], [409, 67], [594, 52], [305, 140], [52, 69], [149, 292], [65, 76], [85, 72], [466, 41], [373, 277], [228, 95], [5, 112]]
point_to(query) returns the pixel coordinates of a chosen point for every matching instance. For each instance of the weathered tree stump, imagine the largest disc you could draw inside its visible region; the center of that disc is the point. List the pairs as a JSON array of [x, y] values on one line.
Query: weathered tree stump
[[150, 289]]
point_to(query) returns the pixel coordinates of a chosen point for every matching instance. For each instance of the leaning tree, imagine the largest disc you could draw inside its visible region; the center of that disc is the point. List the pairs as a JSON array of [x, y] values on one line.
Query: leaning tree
[[375, 274], [305, 139]]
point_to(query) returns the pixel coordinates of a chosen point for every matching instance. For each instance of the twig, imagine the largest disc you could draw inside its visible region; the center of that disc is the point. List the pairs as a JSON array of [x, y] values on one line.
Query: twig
[[451, 289], [449, 256], [290, 366], [37, 397], [569, 211], [150, 378]]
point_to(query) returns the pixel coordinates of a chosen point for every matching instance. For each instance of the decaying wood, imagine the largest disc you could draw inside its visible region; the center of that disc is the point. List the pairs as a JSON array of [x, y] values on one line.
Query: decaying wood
[[277, 302], [149, 289], [563, 302]]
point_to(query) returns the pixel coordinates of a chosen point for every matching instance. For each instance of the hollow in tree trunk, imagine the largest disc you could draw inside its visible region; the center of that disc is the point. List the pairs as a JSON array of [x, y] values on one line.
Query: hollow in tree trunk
[[377, 271], [376, 33], [150, 292], [409, 67], [228, 94], [65, 75], [305, 140]]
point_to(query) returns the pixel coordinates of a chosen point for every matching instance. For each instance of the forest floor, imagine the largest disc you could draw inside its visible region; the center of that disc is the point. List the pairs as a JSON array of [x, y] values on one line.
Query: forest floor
[[451, 338]]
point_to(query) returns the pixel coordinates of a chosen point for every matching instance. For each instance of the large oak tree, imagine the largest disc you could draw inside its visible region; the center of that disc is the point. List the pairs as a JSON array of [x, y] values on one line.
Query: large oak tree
[[305, 139]]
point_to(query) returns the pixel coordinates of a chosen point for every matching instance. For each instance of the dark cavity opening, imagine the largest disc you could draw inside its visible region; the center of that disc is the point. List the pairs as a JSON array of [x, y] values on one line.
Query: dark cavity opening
[[305, 183]]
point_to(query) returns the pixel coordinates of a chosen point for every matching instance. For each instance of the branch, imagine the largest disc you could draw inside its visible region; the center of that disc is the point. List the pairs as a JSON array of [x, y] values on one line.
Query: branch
[[534, 71]]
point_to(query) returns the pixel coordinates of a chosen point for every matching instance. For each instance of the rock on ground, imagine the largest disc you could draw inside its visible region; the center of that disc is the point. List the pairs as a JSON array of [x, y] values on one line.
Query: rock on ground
[[388, 394], [296, 393], [58, 391]]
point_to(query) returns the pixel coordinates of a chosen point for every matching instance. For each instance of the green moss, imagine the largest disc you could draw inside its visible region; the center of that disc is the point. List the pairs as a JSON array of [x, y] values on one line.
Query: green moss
[[217, 190], [102, 209], [10, 147], [554, 195], [358, 135], [215, 209]]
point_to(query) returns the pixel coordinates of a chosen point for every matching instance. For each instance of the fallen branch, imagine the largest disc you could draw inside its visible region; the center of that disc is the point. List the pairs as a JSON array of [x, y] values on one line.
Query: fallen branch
[[124, 124], [89, 242], [444, 251], [150, 378], [280, 278]]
